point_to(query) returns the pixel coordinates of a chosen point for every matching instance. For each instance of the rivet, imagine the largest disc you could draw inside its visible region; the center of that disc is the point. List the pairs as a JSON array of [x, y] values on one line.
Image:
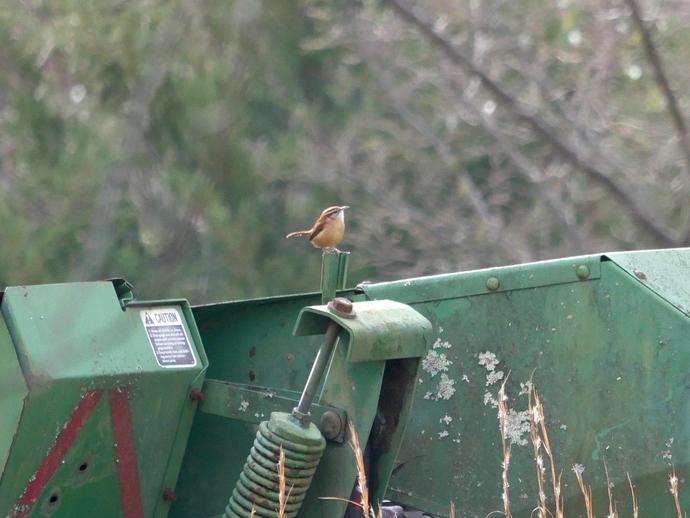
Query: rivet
[[196, 395], [331, 425], [640, 275], [492, 283], [582, 271]]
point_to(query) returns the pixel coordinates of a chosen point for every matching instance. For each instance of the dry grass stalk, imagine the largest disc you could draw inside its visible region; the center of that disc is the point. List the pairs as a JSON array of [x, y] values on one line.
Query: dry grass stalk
[[555, 480], [253, 512], [451, 513], [282, 497], [539, 436], [613, 512], [634, 498], [534, 418], [361, 471], [673, 481], [502, 415], [586, 491]]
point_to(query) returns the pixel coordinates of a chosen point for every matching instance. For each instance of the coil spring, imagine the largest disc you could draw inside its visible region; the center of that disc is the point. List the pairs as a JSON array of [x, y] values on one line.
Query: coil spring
[[257, 486]]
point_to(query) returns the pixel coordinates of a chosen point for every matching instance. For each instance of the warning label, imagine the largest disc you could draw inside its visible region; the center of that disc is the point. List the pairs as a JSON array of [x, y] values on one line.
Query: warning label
[[168, 337]]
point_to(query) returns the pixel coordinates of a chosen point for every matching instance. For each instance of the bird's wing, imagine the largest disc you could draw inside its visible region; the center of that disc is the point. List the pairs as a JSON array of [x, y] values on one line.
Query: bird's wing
[[318, 228]]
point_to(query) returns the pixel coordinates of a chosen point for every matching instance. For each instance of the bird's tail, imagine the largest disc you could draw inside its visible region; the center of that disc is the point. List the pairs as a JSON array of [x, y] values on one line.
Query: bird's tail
[[300, 233]]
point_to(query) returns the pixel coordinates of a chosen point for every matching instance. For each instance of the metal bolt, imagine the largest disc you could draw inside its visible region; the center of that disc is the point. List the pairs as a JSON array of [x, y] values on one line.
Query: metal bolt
[[582, 271], [169, 495], [196, 395], [492, 283], [342, 307], [640, 275], [331, 425]]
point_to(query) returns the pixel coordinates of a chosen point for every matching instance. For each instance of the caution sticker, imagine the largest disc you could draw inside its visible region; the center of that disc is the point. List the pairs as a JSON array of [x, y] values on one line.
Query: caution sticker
[[168, 338]]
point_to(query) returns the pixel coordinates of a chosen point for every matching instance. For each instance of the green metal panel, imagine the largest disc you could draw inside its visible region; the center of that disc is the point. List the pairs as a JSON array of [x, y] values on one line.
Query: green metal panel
[[612, 359], [73, 340], [491, 280], [251, 345], [379, 330], [252, 353], [13, 392]]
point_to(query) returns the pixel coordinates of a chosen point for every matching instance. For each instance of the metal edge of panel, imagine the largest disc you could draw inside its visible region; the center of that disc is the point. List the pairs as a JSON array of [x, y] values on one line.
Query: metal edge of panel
[[13, 394], [652, 274], [186, 418], [487, 281]]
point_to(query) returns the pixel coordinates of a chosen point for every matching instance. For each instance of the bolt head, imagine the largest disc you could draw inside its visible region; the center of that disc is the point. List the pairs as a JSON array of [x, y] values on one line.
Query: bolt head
[[492, 283], [640, 275], [196, 395], [582, 271], [342, 306], [331, 425]]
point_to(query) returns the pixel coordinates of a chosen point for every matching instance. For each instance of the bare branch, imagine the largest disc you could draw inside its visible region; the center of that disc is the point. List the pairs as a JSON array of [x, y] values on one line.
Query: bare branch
[[638, 212], [657, 64]]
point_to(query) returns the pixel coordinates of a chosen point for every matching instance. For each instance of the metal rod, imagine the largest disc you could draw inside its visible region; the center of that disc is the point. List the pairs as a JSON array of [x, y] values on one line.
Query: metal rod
[[333, 273], [318, 369]]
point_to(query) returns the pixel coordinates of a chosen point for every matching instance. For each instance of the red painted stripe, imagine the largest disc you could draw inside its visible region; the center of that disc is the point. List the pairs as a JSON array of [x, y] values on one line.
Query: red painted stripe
[[125, 454], [57, 452]]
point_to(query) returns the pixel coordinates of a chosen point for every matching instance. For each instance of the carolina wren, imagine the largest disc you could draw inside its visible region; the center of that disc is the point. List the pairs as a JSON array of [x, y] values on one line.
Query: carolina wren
[[328, 229]]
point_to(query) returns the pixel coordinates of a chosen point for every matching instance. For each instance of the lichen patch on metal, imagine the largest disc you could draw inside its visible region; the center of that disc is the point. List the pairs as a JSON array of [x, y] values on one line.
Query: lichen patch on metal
[[435, 362]]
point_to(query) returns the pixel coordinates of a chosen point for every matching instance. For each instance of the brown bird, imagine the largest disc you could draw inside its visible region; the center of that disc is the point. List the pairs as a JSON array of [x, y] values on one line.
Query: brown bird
[[328, 229]]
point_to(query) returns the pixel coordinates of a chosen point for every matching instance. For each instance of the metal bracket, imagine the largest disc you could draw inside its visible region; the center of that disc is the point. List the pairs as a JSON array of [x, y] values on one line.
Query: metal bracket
[[381, 329], [254, 405]]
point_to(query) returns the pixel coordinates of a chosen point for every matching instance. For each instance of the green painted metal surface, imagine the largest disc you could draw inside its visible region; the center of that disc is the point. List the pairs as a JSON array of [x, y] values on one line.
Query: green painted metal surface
[[251, 345], [76, 344], [13, 392], [234, 401], [606, 339], [610, 353], [333, 273], [251, 342], [379, 330]]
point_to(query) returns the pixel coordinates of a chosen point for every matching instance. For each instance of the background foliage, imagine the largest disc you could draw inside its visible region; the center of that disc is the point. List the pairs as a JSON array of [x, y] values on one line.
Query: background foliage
[[176, 143]]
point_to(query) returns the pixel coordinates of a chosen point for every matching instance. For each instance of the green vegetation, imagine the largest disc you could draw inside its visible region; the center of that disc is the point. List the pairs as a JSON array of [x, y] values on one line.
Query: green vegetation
[[176, 143]]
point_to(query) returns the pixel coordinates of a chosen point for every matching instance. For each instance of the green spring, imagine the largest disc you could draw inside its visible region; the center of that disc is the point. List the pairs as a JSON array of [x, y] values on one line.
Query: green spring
[[257, 486]]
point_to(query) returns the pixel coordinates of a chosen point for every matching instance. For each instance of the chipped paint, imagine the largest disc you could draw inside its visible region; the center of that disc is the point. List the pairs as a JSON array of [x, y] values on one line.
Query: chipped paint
[[488, 360], [517, 426], [445, 388], [578, 469], [493, 377], [435, 362], [490, 400], [442, 344]]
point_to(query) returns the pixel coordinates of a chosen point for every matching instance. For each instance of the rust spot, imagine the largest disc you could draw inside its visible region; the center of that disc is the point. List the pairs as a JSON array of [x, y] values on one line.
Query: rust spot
[[252, 375], [169, 495], [640, 275], [252, 351]]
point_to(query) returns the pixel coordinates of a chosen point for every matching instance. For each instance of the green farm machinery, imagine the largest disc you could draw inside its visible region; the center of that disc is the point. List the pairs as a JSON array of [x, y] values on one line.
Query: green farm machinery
[[113, 406]]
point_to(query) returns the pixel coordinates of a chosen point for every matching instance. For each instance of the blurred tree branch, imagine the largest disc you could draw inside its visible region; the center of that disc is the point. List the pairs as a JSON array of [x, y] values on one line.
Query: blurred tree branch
[[133, 123], [637, 210], [662, 80]]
